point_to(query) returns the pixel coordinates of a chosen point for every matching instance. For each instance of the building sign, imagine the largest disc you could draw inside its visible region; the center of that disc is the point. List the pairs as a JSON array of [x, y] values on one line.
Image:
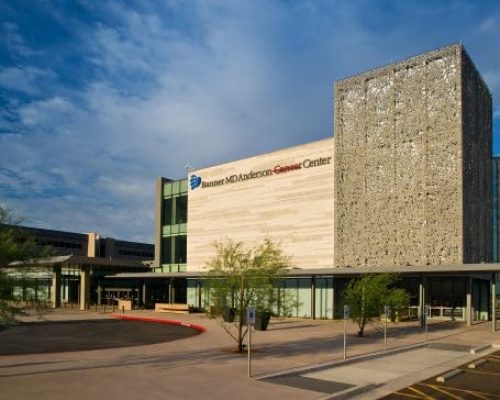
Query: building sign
[[196, 181]]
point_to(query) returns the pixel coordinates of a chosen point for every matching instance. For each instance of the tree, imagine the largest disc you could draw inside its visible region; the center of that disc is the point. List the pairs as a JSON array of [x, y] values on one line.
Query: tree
[[14, 246], [367, 296], [239, 278]]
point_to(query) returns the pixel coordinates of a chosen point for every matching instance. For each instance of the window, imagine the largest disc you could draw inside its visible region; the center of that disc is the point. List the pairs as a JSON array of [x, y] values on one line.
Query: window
[[180, 249], [181, 210], [166, 257], [167, 211]]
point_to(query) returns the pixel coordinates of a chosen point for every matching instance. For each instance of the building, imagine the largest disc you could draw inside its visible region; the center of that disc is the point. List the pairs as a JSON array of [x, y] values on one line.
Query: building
[[413, 164], [405, 185], [171, 225], [77, 265]]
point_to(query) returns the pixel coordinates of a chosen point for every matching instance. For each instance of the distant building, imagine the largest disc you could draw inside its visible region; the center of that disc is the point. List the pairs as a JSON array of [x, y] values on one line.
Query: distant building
[[73, 274], [86, 244]]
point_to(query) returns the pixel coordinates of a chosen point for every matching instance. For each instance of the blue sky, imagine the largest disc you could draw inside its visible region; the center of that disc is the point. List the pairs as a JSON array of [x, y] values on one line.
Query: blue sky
[[98, 98]]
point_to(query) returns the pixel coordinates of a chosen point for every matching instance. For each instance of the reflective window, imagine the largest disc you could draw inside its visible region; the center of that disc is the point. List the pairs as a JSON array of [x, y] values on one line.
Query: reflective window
[[166, 257], [167, 211], [181, 210], [180, 249]]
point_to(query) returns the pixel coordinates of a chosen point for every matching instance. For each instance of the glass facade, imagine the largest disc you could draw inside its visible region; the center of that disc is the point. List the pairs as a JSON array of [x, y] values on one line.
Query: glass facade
[[174, 226]]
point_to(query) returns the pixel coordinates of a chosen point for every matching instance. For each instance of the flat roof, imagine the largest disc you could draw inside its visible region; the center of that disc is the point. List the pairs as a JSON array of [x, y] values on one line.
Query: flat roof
[[329, 138], [410, 269], [80, 261]]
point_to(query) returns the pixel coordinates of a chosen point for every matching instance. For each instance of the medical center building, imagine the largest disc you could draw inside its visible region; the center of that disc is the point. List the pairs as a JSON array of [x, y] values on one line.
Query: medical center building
[[404, 185]]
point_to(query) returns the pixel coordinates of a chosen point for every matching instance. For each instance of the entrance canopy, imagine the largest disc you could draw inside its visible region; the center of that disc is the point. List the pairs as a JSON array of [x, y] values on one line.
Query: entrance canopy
[[344, 272]]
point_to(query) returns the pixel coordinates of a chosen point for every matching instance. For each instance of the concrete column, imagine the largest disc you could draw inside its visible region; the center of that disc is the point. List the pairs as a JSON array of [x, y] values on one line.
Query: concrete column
[[198, 291], [99, 293], [468, 307], [422, 286], [171, 296], [333, 298], [493, 303], [144, 293], [55, 290], [159, 221], [84, 288], [313, 297]]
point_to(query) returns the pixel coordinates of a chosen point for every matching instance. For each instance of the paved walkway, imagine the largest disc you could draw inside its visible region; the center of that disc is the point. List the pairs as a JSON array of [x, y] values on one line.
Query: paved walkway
[[381, 375], [205, 367]]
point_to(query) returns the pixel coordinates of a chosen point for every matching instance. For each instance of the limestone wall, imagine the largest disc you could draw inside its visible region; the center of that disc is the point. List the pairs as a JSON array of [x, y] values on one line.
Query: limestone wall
[[242, 200], [399, 164]]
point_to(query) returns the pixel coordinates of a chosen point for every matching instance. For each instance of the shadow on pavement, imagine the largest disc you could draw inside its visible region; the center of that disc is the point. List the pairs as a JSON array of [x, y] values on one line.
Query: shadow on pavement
[[50, 337]]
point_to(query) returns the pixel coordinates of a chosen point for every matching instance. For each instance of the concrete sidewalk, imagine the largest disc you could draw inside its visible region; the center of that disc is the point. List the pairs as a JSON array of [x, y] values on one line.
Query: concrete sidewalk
[[205, 366], [378, 375]]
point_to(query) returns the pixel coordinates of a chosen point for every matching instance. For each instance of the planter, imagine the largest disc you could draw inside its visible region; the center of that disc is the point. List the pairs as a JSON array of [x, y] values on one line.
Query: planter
[[228, 314], [262, 320]]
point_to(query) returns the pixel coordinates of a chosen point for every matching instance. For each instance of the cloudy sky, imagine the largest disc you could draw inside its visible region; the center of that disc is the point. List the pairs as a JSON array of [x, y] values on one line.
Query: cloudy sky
[[98, 98]]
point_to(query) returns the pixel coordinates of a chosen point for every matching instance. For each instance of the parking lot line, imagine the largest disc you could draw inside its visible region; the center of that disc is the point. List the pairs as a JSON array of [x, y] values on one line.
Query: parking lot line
[[482, 372], [443, 391], [476, 393], [424, 395], [446, 390], [411, 396]]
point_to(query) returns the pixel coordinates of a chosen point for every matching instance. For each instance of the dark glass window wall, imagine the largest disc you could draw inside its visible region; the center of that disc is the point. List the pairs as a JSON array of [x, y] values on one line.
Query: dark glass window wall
[[174, 249], [181, 209], [175, 213]]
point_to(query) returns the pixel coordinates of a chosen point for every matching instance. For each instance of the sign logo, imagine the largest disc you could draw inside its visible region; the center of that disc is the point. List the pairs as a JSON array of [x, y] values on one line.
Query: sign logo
[[194, 181]]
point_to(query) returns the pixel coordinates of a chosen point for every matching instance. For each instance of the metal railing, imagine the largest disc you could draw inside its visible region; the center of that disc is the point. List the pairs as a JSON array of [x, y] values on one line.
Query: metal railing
[[441, 312]]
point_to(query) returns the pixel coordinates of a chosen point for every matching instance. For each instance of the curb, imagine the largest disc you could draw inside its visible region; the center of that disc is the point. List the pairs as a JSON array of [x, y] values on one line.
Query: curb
[[448, 375], [477, 363], [196, 327], [478, 349]]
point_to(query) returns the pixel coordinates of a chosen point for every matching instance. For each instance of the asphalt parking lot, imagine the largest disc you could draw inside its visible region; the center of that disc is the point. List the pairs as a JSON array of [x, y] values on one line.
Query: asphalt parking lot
[[482, 382], [63, 336]]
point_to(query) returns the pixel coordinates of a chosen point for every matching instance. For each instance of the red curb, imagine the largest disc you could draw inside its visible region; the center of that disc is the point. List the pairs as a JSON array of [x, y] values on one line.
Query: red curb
[[196, 327]]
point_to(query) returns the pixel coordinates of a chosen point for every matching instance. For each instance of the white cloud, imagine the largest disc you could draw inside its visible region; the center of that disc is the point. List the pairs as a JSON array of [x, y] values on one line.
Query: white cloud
[[488, 25], [190, 83], [15, 42], [46, 113], [24, 80]]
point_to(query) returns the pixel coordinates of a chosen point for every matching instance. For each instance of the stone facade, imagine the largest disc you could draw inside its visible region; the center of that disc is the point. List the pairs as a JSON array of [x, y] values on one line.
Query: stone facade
[[286, 196], [413, 164], [477, 165]]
